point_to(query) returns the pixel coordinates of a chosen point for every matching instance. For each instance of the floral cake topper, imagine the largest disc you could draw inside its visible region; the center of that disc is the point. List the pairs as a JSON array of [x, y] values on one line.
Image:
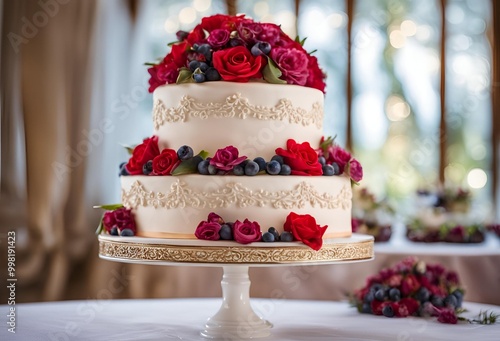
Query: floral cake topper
[[237, 49]]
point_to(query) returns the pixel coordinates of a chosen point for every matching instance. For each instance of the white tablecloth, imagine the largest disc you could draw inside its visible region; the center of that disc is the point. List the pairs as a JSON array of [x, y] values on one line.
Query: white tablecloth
[[182, 319]]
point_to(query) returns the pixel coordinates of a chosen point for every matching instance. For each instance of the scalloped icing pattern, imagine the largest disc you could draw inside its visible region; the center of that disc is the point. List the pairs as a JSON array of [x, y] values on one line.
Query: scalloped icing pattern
[[236, 106]]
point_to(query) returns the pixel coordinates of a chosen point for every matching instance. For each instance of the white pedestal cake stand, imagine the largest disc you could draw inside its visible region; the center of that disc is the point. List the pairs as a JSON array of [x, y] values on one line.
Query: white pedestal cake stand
[[235, 318]]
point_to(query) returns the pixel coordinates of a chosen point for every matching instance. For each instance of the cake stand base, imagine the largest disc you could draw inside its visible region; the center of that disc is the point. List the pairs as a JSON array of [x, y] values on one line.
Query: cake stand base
[[236, 318]]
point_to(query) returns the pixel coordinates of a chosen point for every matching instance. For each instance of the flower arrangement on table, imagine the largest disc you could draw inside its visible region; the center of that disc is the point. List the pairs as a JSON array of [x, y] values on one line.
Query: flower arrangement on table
[[444, 216], [371, 216], [237, 49], [296, 159], [414, 288]]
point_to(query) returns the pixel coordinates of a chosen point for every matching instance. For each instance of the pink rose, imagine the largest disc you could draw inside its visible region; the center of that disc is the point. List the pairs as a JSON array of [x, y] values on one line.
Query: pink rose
[[292, 63], [407, 306], [355, 170], [218, 38], [246, 232], [338, 155], [227, 158], [215, 218], [207, 230], [409, 285], [447, 315]]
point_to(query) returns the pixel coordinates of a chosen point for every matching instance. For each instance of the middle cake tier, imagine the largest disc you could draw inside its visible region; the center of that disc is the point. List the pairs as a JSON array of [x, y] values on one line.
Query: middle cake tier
[[173, 206]]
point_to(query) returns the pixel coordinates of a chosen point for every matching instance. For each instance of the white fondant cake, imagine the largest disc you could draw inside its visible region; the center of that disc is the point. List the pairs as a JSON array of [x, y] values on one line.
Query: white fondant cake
[[238, 144]]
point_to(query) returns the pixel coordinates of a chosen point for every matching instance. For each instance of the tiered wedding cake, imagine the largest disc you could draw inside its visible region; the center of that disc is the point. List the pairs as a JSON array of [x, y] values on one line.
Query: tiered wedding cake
[[238, 151]]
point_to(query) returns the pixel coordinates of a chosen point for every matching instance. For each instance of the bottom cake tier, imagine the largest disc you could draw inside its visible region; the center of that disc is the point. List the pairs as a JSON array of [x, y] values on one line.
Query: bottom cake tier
[[173, 206]]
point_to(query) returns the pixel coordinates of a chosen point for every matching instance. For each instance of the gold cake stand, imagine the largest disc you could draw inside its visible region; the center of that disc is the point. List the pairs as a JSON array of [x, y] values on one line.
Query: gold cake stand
[[235, 318]]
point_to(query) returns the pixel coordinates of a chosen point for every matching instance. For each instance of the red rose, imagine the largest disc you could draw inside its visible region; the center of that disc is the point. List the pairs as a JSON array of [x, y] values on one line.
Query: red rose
[[302, 159], [304, 228], [142, 153], [237, 64], [407, 306], [178, 54], [207, 230], [196, 36], [108, 220], [316, 78], [227, 158], [377, 306], [246, 232], [165, 163], [355, 170], [221, 21], [409, 285]]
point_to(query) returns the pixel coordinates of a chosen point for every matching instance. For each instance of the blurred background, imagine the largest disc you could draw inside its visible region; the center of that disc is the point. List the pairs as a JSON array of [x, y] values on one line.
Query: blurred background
[[410, 90]]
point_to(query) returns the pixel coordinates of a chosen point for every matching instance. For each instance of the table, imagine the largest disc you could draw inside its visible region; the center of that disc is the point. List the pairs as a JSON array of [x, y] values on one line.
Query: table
[[182, 319]]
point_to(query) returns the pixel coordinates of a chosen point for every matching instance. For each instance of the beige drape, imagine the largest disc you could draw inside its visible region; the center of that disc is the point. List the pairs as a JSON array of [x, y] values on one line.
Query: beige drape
[[45, 107]]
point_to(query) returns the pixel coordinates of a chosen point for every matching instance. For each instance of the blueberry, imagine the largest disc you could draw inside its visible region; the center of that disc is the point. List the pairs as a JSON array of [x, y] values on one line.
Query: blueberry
[[212, 74], [273, 167], [239, 170], [122, 165], [114, 231], [260, 47], [195, 47], [205, 50], [256, 51], [126, 233], [275, 233], [251, 168], [423, 295], [147, 168], [184, 153], [375, 287], [366, 308], [261, 162], [459, 295], [196, 160], [193, 65], [286, 236], [212, 170], [437, 301], [451, 301], [268, 237], [265, 47], [203, 167], [199, 77], [226, 232], [123, 169], [336, 168], [203, 67], [328, 170], [278, 158], [322, 160], [285, 170], [388, 311], [380, 294], [394, 294], [370, 296], [236, 42]]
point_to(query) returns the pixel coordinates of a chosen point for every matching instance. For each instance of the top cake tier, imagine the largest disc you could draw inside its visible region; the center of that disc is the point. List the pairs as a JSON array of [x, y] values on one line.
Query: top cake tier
[[255, 117]]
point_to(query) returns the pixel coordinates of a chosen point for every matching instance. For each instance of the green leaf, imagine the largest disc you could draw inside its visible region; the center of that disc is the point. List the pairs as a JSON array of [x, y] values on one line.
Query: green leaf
[[99, 228], [315, 50], [301, 42], [129, 149], [173, 43], [110, 207], [185, 76], [271, 73], [150, 64], [190, 166]]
